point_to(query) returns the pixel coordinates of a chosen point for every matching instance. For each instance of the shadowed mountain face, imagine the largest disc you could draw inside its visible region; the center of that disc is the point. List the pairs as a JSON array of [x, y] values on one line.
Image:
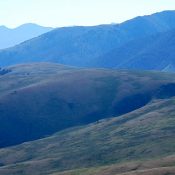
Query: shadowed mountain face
[[39, 99], [11, 37], [79, 46]]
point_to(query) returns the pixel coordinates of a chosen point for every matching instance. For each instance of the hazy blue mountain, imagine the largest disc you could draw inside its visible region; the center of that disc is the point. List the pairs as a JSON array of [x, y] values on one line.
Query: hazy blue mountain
[[79, 46], [155, 52], [11, 37]]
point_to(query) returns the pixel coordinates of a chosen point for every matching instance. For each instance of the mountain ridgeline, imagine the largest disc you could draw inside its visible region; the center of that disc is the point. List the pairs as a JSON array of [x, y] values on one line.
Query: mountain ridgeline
[[124, 45], [11, 37]]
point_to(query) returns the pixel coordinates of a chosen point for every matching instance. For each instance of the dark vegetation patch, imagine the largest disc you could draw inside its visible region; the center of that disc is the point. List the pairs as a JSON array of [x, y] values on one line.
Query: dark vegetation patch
[[131, 103], [166, 91], [4, 71]]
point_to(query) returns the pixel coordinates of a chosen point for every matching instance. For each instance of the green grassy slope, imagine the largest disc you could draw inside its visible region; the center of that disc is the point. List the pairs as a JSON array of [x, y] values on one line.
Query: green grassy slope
[[37, 100], [143, 134]]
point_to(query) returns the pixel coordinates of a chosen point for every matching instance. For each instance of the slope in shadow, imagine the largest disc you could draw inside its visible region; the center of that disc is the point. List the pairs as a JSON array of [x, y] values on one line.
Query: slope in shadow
[[70, 98]]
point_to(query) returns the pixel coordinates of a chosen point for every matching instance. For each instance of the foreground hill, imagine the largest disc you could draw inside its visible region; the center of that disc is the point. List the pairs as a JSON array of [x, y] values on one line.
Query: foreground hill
[[155, 52], [40, 99], [11, 37], [154, 167], [144, 134], [163, 166], [78, 46]]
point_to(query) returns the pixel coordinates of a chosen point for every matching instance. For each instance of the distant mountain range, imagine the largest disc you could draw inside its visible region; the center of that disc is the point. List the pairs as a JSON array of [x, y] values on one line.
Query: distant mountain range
[[125, 45], [11, 37]]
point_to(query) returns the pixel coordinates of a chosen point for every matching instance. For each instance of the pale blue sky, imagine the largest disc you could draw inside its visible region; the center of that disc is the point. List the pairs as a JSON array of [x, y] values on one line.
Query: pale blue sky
[[58, 13]]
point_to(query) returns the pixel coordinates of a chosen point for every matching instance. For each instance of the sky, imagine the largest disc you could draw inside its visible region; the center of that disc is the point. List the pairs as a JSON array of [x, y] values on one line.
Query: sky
[[57, 13]]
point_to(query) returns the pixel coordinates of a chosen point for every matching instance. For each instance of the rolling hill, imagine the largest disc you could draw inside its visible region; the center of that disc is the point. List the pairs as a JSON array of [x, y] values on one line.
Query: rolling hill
[[144, 138], [11, 37], [39, 99], [79, 46]]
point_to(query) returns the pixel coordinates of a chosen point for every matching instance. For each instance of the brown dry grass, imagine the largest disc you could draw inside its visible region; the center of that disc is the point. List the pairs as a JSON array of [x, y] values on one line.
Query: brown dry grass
[[164, 166]]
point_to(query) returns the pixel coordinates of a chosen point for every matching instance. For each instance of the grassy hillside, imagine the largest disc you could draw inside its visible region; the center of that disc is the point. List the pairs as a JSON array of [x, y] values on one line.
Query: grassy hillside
[[152, 167], [78, 46], [144, 134], [37, 100]]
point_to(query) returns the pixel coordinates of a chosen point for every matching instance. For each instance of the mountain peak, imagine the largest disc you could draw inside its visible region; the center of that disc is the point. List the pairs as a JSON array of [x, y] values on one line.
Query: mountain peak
[[13, 36], [30, 25], [4, 27]]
